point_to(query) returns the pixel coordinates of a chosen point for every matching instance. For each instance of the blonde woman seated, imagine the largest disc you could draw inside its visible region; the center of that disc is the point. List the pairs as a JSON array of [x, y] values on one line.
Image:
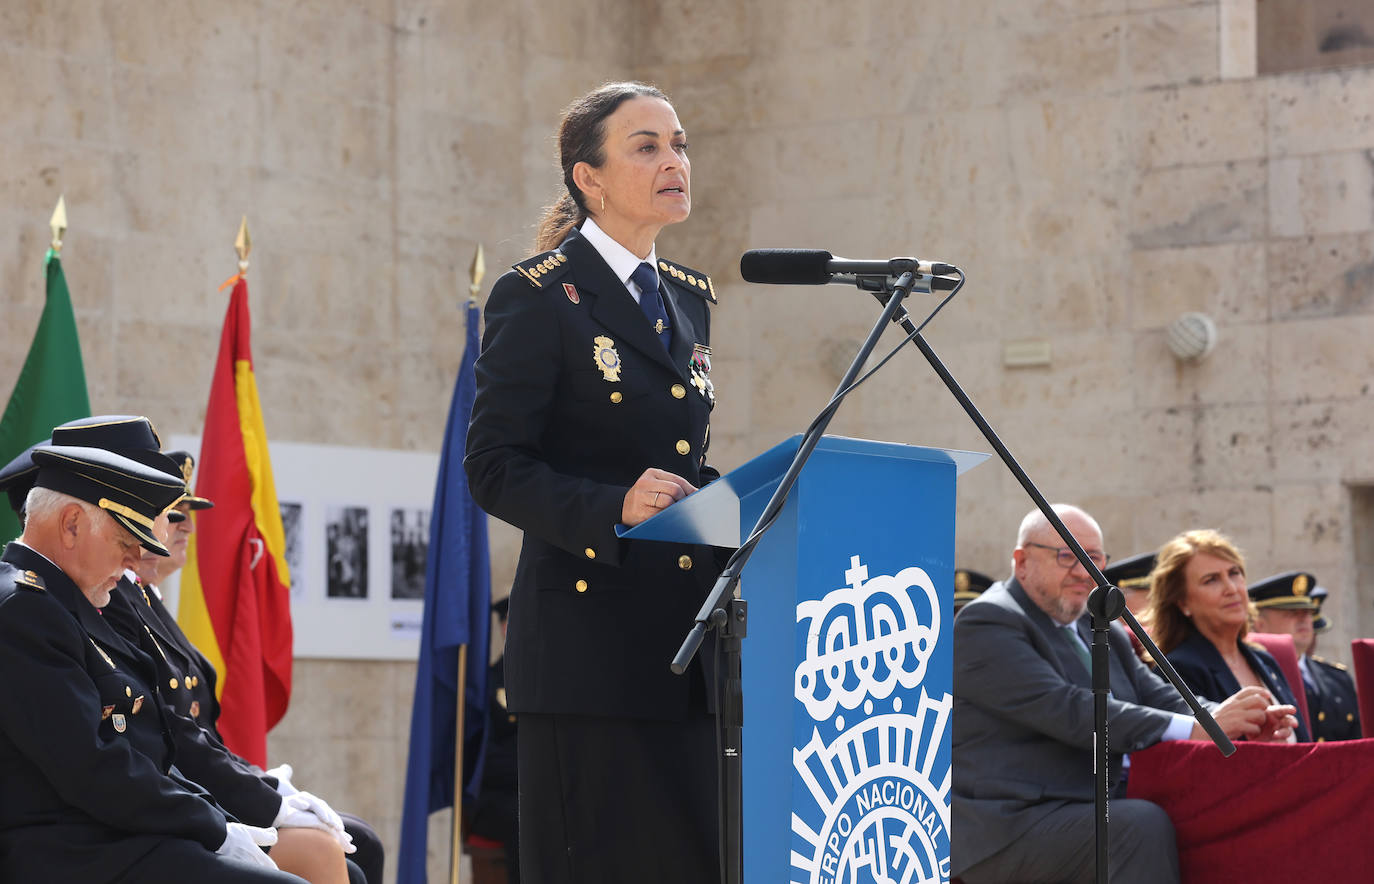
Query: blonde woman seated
[[1199, 613]]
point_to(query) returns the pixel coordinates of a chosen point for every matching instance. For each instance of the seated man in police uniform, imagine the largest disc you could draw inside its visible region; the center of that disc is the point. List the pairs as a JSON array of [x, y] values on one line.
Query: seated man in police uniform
[[1289, 604], [311, 838], [88, 792]]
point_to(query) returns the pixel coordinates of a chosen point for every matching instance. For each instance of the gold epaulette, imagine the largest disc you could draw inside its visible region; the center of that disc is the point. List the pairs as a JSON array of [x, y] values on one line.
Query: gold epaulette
[[542, 268], [1332, 663], [692, 278], [30, 580]]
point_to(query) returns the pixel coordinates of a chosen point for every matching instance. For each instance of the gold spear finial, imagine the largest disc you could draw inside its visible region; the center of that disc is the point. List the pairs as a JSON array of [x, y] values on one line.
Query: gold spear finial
[[477, 271], [59, 223], [243, 244]]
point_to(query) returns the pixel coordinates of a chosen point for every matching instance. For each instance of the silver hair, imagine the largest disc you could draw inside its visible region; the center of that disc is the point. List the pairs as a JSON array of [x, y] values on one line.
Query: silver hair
[[45, 503], [1035, 521]]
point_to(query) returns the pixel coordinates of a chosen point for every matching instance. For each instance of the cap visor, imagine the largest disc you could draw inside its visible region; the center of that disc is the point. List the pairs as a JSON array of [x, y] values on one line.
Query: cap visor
[[198, 503], [148, 541]]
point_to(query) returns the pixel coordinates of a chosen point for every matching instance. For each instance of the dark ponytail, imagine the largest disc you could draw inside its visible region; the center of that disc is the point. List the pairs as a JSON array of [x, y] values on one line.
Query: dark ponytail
[[582, 139]]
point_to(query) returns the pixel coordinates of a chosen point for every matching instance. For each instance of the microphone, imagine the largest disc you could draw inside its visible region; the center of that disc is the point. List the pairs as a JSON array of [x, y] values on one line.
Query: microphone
[[819, 267]]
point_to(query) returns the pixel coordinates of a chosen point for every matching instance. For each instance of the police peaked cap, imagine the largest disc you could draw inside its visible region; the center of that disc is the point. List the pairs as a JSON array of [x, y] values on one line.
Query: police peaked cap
[[131, 436], [1291, 589], [133, 493], [1132, 572], [187, 464], [968, 585], [18, 476]]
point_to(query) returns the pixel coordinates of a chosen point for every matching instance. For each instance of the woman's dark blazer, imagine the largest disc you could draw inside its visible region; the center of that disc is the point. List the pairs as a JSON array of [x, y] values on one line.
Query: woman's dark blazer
[[576, 397], [1199, 663]]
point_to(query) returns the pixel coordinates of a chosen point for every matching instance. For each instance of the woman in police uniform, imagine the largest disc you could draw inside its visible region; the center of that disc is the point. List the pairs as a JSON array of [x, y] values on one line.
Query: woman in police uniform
[[592, 408]]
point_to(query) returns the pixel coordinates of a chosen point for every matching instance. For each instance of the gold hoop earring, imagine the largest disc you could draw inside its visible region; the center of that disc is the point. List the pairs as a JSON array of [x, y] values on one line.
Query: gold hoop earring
[[603, 203]]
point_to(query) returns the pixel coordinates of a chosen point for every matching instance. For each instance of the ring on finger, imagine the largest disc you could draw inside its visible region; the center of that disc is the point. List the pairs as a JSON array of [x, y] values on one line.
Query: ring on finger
[[656, 496]]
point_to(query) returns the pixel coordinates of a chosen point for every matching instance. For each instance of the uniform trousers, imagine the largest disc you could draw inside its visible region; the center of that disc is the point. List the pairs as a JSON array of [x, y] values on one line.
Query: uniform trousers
[[369, 857], [618, 801], [178, 860], [1060, 849]]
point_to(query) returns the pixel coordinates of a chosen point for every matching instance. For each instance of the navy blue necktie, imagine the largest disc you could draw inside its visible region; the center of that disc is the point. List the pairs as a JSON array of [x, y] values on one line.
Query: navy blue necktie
[[651, 302]]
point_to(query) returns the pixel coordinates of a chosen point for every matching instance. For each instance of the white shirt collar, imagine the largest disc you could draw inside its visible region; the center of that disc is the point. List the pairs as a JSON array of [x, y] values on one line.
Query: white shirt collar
[[621, 260]]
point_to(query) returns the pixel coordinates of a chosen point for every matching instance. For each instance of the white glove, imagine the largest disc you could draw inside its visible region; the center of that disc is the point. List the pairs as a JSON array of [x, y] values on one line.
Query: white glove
[[296, 812], [283, 773], [243, 844], [317, 806]]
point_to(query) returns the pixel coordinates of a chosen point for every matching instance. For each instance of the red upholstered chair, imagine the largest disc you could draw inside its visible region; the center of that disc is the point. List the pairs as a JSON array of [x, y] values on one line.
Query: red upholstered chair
[[1280, 647], [1362, 650]]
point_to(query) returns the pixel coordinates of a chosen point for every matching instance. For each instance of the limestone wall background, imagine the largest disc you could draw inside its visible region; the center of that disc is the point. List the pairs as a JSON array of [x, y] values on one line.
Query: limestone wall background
[[1096, 166]]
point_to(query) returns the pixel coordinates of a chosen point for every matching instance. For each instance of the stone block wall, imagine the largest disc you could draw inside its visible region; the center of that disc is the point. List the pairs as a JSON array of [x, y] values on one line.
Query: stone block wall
[[1097, 167]]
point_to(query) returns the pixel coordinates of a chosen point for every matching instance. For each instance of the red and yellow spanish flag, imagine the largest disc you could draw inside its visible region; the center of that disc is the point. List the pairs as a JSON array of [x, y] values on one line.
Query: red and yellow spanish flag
[[235, 589]]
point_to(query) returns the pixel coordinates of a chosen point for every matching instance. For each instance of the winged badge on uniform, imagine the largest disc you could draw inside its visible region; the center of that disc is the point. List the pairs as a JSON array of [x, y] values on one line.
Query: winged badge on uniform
[[701, 372]]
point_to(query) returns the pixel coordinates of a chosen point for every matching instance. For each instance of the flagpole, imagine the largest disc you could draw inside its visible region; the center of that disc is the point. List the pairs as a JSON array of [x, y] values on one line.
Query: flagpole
[[58, 223], [475, 273]]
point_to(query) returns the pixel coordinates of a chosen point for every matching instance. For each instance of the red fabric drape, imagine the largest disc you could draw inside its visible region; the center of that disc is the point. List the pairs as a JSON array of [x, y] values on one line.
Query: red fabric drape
[[1287, 812]]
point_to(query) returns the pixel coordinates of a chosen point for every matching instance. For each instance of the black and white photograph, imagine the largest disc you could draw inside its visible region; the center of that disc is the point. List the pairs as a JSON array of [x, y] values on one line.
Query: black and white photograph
[[345, 529], [409, 546], [295, 562]]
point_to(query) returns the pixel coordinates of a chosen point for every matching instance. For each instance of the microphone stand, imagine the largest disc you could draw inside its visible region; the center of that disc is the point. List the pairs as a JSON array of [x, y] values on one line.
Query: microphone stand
[[1105, 603], [730, 617]]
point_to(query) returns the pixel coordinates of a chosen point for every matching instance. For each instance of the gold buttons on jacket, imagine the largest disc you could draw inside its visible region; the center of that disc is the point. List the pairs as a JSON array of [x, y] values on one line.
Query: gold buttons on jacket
[[172, 683], [685, 563], [1349, 716], [581, 586], [591, 553], [616, 397], [1321, 716], [683, 447], [678, 391], [128, 691]]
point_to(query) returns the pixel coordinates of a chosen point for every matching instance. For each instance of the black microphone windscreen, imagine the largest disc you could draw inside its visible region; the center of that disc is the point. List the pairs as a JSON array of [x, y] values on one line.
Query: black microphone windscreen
[[785, 266]]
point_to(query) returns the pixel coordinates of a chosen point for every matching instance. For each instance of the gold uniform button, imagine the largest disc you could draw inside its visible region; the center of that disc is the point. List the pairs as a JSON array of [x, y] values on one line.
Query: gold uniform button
[[128, 691], [591, 553], [685, 563], [1321, 739], [173, 684], [1321, 716], [1349, 716], [683, 447], [616, 397], [678, 391], [581, 586]]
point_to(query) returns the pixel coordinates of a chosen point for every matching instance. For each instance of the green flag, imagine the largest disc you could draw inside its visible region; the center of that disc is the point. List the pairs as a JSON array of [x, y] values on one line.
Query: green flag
[[51, 388]]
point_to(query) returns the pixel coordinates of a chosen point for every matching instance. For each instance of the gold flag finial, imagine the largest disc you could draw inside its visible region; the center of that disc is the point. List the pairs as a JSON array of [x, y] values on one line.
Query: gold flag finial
[[59, 223], [477, 271], [243, 244]]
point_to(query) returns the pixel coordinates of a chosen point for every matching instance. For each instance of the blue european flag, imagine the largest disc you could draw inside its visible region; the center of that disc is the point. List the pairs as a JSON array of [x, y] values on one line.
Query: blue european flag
[[457, 612]]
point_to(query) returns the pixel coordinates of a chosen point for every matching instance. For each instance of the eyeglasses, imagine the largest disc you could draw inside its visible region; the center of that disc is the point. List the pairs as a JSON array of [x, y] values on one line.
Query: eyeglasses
[[1066, 559]]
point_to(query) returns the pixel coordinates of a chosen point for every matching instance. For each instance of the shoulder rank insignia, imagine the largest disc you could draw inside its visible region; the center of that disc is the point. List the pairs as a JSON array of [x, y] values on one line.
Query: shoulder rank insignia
[[690, 278], [542, 268], [30, 579]]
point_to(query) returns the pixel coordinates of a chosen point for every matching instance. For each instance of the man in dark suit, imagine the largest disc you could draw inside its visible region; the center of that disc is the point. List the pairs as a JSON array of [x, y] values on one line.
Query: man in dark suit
[[87, 787], [1023, 725]]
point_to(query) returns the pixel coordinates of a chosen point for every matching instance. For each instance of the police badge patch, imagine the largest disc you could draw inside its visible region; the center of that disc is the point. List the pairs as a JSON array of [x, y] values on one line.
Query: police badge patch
[[607, 359]]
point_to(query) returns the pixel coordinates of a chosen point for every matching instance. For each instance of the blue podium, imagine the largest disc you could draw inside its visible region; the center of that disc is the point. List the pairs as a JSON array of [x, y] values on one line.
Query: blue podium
[[847, 669]]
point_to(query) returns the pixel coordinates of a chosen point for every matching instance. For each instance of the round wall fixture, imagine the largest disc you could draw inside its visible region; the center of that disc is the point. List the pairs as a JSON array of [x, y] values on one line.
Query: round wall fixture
[[1192, 336]]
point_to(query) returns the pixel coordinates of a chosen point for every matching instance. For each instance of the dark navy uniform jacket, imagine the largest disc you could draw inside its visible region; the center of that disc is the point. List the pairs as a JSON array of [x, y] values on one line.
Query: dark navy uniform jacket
[[236, 786], [1200, 665], [576, 397], [87, 785], [1332, 701]]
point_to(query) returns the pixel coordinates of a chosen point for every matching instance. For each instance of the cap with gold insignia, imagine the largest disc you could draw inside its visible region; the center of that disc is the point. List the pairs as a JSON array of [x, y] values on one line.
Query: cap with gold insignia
[[543, 268], [968, 585], [187, 465], [133, 493], [1131, 573], [1319, 622], [1291, 589]]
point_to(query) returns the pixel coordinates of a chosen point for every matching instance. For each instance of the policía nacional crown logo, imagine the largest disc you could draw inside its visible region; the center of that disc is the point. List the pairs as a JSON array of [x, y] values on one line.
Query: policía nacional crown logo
[[879, 783]]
